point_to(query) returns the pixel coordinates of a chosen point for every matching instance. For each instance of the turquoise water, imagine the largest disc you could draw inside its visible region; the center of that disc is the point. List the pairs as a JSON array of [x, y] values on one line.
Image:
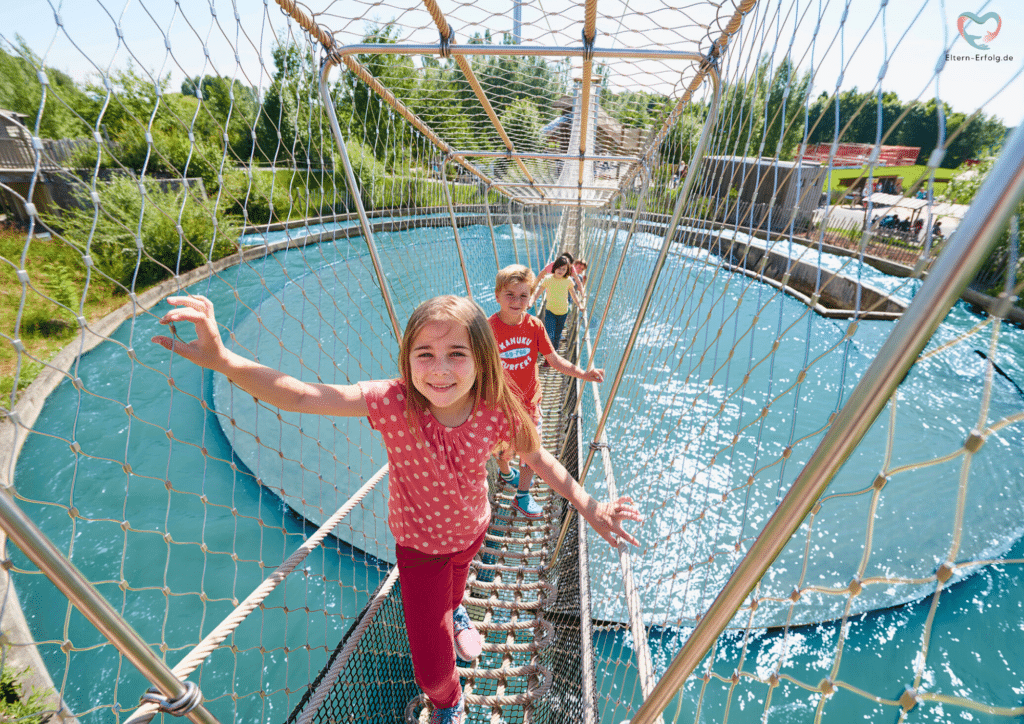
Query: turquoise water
[[672, 434], [314, 311], [170, 469]]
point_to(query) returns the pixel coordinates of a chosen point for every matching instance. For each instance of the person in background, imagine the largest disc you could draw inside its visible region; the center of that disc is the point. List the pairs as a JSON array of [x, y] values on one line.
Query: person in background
[[559, 289], [522, 341]]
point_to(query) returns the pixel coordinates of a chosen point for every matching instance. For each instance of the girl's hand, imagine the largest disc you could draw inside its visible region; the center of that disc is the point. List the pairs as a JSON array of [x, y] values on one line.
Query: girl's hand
[[594, 375], [207, 350], [607, 518]]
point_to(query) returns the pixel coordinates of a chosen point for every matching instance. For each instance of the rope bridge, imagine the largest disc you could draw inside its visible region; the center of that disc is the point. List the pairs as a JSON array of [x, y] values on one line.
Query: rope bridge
[[824, 442]]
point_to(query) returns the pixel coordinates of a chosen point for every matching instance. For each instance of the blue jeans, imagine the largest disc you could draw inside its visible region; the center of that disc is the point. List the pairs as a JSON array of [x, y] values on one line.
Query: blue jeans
[[553, 324]]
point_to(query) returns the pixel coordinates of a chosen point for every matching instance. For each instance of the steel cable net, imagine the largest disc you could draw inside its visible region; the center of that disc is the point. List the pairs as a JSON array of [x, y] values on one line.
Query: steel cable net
[[730, 354]]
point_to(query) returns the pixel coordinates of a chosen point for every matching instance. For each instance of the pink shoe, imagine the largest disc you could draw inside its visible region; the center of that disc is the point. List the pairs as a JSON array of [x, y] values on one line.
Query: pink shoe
[[468, 641]]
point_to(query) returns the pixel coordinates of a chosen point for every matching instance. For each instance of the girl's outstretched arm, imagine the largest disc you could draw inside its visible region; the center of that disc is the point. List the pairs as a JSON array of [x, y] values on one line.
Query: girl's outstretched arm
[[273, 387], [575, 297], [606, 518]]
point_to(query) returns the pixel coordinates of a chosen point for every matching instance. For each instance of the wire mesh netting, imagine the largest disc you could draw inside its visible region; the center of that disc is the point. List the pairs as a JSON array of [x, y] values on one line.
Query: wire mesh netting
[[765, 196]]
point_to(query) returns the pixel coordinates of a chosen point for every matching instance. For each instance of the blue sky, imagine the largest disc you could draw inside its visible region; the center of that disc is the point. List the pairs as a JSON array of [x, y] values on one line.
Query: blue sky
[[906, 38]]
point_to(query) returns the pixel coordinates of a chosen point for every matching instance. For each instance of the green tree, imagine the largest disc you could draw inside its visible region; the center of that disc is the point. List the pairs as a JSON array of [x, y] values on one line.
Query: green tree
[[682, 137], [230, 105], [373, 119], [153, 132], [436, 100], [506, 79], [66, 107], [292, 127], [784, 111], [145, 234], [962, 189], [915, 124], [857, 114], [741, 112]]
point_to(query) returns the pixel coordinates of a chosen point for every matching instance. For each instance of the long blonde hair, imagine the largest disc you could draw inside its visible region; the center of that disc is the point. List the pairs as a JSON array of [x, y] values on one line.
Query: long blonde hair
[[489, 387]]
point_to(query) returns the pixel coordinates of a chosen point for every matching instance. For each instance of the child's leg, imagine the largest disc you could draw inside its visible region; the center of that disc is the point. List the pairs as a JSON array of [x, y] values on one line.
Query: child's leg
[[525, 477], [549, 326], [430, 584], [524, 502], [460, 569], [504, 456], [559, 325]]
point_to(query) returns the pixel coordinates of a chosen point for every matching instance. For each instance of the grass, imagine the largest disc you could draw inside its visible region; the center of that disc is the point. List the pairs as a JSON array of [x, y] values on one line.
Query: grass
[[33, 313]]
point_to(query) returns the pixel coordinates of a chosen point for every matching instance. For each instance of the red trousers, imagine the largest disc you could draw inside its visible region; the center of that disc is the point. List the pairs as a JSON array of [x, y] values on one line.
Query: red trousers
[[432, 587]]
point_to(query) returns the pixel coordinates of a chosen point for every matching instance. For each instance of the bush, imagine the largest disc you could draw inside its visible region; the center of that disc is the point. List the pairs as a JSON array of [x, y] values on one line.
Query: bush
[[257, 197], [129, 211], [268, 197], [15, 708]]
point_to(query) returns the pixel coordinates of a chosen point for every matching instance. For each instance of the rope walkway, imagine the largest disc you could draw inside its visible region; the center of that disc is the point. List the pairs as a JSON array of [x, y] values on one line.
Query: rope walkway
[[506, 593]]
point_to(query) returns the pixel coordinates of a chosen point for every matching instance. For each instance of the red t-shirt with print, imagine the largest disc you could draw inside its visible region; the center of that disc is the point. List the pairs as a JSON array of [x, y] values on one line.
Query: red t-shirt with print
[[520, 347]]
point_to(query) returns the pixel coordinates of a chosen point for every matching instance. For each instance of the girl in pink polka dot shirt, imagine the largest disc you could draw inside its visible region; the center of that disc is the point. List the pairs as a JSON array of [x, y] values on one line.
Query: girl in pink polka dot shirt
[[440, 423]]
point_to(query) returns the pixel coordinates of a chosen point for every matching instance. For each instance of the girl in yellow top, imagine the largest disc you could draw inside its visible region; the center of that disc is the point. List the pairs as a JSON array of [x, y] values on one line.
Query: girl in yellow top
[[559, 288]]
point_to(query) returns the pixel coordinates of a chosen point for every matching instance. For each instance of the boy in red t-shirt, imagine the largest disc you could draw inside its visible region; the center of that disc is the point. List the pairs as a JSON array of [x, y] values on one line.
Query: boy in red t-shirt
[[521, 342]]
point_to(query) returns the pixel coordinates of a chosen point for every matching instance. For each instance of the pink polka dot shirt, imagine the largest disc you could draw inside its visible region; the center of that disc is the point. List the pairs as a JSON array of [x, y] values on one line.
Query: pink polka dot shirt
[[437, 499]]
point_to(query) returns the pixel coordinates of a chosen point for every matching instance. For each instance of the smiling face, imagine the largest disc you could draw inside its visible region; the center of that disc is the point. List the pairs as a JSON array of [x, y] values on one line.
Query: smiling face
[[514, 300], [443, 370]]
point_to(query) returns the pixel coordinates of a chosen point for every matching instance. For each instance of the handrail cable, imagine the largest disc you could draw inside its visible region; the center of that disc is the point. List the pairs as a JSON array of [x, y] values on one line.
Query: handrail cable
[[681, 200], [70, 581], [208, 645]]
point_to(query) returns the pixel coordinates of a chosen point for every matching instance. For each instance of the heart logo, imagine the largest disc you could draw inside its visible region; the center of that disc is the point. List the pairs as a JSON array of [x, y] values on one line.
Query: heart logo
[[972, 40]]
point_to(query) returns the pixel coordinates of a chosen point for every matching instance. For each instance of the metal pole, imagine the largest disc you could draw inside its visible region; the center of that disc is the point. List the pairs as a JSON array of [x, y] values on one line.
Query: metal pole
[[455, 228], [490, 227], [364, 223], [967, 250], [684, 193], [512, 232], [622, 259], [526, 236], [91, 603]]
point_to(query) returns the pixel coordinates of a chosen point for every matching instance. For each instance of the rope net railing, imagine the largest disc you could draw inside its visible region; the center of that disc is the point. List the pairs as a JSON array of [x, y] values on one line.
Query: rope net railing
[[718, 166]]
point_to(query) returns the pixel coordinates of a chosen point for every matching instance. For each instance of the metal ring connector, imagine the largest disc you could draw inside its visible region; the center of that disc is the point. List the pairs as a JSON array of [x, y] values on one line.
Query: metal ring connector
[[600, 446], [711, 59], [588, 47], [445, 46], [178, 707]]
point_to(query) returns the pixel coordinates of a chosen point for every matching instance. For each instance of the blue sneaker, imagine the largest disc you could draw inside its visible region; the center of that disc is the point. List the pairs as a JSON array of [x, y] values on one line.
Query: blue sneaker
[[451, 715], [513, 481], [486, 575], [468, 641], [526, 505]]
